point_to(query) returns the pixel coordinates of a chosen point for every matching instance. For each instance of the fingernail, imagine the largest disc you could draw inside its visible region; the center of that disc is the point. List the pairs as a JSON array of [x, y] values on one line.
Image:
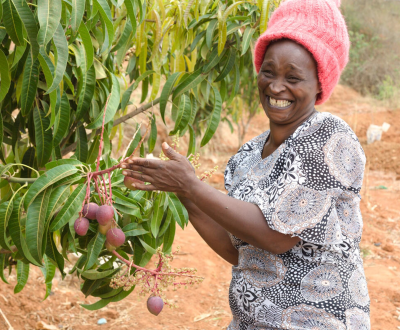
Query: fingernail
[[166, 146], [125, 172], [130, 161], [123, 166], [133, 185]]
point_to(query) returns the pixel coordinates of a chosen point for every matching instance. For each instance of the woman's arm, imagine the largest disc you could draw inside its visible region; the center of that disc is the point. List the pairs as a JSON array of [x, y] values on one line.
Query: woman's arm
[[242, 219], [212, 233]]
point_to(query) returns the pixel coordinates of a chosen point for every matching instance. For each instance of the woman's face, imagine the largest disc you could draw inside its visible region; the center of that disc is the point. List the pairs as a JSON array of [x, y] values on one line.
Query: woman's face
[[288, 82]]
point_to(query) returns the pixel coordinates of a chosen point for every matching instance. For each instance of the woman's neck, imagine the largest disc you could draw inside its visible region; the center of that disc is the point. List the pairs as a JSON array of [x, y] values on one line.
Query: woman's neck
[[279, 133]]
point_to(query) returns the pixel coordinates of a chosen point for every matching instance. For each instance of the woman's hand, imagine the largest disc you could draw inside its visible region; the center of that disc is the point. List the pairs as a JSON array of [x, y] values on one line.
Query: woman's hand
[[174, 175]]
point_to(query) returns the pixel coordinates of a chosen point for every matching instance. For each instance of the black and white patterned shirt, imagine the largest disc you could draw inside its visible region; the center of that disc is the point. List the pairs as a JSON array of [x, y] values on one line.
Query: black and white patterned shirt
[[309, 187]]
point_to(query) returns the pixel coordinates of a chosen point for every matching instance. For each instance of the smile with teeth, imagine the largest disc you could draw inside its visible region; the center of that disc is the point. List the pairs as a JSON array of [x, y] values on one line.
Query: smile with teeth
[[279, 103]]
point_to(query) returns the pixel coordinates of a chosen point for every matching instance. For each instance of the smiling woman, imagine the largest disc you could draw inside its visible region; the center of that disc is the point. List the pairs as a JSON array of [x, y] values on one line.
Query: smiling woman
[[291, 222]]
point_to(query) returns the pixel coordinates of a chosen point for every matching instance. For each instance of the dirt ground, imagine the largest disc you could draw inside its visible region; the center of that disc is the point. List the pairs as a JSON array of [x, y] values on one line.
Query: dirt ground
[[207, 307]]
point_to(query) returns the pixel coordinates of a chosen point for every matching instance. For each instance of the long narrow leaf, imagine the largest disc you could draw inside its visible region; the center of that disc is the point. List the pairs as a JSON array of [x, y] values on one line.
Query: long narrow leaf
[[22, 276], [29, 84], [49, 15], [29, 21], [94, 248], [35, 224], [62, 57], [4, 75], [78, 9], [215, 118], [43, 138], [13, 23], [70, 209], [112, 106]]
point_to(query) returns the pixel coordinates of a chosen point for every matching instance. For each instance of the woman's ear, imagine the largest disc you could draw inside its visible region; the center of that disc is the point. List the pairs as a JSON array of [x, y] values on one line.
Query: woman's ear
[[319, 88]]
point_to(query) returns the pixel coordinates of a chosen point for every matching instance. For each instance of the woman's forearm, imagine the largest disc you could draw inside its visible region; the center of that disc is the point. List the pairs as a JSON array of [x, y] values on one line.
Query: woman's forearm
[[242, 219], [212, 233]]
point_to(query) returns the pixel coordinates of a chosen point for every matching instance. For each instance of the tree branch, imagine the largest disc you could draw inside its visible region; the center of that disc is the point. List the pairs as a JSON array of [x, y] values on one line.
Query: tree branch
[[18, 180], [13, 249], [118, 121]]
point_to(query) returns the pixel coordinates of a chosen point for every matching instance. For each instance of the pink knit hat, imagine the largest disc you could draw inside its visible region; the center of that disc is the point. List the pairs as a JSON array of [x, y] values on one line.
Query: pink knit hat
[[317, 25]]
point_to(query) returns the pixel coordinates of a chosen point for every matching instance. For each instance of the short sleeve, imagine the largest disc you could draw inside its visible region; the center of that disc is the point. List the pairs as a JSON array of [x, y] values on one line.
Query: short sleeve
[[321, 175], [228, 174]]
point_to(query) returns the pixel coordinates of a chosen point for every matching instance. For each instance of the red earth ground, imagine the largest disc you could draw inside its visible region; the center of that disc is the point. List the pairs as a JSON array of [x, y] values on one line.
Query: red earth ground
[[206, 307]]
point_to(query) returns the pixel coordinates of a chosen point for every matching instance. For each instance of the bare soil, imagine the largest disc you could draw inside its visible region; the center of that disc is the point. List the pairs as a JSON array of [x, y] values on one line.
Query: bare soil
[[207, 307]]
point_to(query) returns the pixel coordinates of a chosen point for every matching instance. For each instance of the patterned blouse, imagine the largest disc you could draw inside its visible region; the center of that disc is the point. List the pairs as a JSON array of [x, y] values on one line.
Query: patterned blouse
[[309, 187]]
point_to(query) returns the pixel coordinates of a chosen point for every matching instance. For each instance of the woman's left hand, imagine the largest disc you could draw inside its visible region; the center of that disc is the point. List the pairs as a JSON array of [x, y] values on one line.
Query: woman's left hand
[[174, 175]]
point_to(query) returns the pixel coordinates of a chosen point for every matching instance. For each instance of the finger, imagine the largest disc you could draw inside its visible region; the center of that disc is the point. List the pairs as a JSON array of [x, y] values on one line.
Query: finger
[[148, 163], [137, 175], [144, 187], [169, 152], [139, 168]]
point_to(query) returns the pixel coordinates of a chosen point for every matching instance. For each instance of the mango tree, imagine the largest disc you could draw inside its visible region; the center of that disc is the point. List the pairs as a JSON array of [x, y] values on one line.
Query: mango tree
[[68, 69]]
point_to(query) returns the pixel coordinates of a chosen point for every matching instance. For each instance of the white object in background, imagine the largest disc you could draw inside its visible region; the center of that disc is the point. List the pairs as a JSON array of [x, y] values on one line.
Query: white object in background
[[374, 132]]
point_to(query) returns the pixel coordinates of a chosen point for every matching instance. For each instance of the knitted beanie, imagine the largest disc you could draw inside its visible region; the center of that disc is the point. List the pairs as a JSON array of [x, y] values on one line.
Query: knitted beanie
[[317, 25]]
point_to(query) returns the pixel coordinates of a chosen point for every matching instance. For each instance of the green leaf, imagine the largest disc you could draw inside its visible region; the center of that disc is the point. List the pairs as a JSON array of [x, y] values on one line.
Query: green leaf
[[61, 123], [70, 209], [78, 9], [58, 196], [196, 40], [135, 232], [29, 84], [81, 152], [105, 13], [5, 76], [61, 44], [189, 82], [147, 247], [153, 134], [94, 150], [169, 237], [158, 213], [16, 228], [166, 91], [88, 83], [127, 94], [192, 142], [94, 274], [177, 209], [130, 8], [49, 15], [124, 36], [87, 43], [184, 114], [215, 118], [53, 254], [104, 302], [46, 180], [13, 23], [213, 60], [228, 65], [2, 266], [43, 138], [2, 131], [112, 106], [22, 276], [49, 270], [264, 15], [210, 32], [248, 34], [29, 21], [36, 223], [222, 33], [5, 212], [229, 10], [94, 248]]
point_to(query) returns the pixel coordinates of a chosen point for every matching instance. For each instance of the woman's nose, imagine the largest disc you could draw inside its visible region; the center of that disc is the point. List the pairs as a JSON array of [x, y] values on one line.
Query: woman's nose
[[277, 86]]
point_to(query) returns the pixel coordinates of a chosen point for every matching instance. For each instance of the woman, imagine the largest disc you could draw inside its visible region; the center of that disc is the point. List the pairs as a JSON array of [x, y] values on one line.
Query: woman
[[291, 222]]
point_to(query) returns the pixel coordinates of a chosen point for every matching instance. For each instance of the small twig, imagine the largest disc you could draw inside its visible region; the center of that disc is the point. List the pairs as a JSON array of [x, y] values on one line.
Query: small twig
[[18, 180], [102, 133], [5, 319], [13, 249]]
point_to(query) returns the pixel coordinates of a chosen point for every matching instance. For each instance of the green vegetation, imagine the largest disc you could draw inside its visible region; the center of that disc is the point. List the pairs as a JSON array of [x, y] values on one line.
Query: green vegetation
[[374, 67]]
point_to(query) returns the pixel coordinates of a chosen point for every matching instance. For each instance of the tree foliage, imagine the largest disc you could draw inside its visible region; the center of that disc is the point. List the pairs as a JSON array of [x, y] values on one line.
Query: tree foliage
[[69, 67]]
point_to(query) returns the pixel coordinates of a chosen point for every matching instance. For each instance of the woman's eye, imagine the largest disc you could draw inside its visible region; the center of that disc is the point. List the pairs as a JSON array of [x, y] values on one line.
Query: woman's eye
[[267, 72], [293, 79]]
